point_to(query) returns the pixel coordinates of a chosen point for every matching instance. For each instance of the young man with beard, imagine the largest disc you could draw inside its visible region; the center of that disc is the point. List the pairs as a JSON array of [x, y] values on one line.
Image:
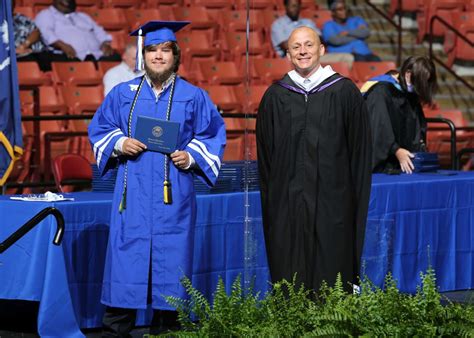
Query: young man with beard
[[314, 161], [152, 230]]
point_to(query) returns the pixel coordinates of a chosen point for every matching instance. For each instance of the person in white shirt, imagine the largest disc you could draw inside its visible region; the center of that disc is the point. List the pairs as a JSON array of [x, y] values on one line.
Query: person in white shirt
[[123, 72]]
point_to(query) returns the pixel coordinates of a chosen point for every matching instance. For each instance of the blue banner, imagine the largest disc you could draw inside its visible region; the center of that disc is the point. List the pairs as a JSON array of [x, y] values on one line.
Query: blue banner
[[11, 142]]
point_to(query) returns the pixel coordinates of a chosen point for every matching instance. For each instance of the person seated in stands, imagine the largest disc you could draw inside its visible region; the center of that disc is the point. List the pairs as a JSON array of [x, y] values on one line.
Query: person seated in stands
[[347, 34], [28, 44], [284, 25], [123, 72], [74, 36], [394, 101]]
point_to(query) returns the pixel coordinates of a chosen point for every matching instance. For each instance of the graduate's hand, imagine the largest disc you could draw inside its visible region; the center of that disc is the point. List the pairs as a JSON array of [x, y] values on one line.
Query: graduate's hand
[[404, 157], [132, 147], [180, 159]]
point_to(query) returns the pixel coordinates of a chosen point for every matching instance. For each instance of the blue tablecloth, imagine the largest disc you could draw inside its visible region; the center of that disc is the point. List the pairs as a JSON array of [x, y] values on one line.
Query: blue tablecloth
[[413, 221]]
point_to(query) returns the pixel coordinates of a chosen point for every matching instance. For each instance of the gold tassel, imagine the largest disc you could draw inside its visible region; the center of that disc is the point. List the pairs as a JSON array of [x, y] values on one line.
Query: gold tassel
[[123, 202], [167, 192]]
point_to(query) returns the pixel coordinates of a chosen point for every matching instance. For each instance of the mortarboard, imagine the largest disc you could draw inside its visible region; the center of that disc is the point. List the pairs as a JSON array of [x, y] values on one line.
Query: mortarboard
[[155, 32]]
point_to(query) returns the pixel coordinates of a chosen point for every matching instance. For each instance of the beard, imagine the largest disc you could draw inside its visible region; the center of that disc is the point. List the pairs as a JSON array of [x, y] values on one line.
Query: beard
[[158, 77]]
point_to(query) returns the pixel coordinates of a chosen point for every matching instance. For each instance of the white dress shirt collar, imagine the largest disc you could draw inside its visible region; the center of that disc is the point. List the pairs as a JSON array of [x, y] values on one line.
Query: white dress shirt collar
[[321, 74]]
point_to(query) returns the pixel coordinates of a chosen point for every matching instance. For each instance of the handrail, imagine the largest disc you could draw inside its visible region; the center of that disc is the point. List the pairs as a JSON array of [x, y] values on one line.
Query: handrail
[[433, 57], [30, 224], [460, 154], [393, 23], [453, 141]]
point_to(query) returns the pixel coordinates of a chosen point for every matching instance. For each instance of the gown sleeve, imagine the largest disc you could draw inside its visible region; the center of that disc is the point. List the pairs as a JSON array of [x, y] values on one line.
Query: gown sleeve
[[264, 131], [208, 143], [379, 103], [104, 131]]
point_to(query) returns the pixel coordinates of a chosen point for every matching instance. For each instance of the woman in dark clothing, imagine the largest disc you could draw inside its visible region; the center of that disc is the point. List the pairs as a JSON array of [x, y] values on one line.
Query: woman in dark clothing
[[394, 101]]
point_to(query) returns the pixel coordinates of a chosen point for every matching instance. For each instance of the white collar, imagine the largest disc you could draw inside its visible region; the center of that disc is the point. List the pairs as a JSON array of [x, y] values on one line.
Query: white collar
[[321, 74], [165, 85]]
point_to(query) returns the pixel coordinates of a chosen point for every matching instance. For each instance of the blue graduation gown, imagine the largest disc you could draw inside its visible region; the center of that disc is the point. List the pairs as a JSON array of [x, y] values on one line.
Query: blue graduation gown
[[150, 235]]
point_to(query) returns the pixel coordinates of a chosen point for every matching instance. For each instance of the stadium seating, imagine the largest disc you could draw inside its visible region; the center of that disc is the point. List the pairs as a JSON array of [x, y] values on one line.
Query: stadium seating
[[223, 72], [362, 71], [138, 17], [81, 100], [111, 19], [50, 101], [272, 69], [195, 45], [224, 97], [30, 74], [250, 97], [200, 19], [81, 73]]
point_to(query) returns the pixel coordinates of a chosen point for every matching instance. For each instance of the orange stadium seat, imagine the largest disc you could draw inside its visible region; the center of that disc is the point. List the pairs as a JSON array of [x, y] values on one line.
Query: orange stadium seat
[[119, 40], [199, 17], [223, 72], [104, 66], [138, 17], [408, 6], [272, 69], [156, 3], [214, 7], [121, 3], [195, 45], [37, 5], [236, 21], [50, 101], [72, 172], [456, 48], [234, 149], [267, 18], [321, 16], [224, 98], [235, 46], [256, 4], [112, 19], [362, 71], [341, 68], [25, 10], [250, 97], [441, 8], [81, 73], [30, 74], [305, 4], [82, 100], [86, 4]]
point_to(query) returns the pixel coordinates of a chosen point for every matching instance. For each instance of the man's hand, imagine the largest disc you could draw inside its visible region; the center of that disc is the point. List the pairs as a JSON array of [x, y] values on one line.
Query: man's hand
[[180, 159], [404, 157], [106, 49], [132, 147], [66, 48]]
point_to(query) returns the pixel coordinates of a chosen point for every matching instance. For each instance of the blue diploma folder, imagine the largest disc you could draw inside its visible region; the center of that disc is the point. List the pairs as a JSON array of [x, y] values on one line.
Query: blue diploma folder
[[157, 135]]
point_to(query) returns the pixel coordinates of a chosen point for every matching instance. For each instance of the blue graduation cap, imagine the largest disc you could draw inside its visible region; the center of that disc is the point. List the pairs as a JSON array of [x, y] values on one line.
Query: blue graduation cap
[[155, 32]]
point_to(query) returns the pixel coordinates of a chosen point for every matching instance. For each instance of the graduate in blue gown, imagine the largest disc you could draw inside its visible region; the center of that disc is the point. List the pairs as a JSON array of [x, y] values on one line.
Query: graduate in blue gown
[[154, 206]]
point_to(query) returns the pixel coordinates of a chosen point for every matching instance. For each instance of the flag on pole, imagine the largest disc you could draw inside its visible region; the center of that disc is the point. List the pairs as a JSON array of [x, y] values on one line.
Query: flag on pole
[[11, 142]]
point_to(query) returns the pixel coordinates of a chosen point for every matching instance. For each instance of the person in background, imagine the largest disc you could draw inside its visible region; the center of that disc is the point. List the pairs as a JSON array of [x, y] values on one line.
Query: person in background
[[284, 25], [314, 162], [123, 72], [28, 44], [153, 214], [347, 34], [74, 36], [396, 115]]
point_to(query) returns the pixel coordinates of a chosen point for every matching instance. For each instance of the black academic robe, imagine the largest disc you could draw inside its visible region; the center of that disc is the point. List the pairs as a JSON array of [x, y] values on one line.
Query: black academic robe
[[314, 160], [397, 121]]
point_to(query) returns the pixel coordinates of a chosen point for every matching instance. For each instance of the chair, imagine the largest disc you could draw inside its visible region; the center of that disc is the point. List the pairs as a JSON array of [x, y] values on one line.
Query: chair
[[138, 17], [234, 149], [200, 19], [50, 101], [196, 45], [250, 97], [25, 10], [441, 8], [362, 71], [104, 66], [272, 69], [214, 7], [82, 100], [235, 46], [82, 73], [121, 3], [224, 98], [255, 4], [112, 19], [408, 6], [72, 172], [30, 74], [321, 16], [236, 21], [341, 68], [221, 72], [119, 40]]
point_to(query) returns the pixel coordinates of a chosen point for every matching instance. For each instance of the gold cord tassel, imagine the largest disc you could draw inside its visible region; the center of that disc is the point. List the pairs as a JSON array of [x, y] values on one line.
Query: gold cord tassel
[[167, 192], [123, 202]]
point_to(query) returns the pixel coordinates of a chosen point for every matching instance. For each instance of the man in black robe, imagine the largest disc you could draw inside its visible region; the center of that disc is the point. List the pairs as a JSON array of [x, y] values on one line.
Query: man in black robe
[[314, 157]]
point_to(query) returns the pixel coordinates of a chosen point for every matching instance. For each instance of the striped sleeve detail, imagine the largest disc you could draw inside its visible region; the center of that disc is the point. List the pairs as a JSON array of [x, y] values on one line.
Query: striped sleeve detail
[[100, 145], [213, 160]]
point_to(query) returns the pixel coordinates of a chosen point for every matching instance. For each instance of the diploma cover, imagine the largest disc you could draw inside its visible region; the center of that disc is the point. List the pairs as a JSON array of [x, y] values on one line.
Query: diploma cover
[[158, 135]]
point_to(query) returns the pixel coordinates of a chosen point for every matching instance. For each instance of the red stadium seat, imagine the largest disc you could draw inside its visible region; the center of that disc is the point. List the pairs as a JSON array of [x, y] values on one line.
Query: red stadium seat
[[50, 101], [236, 21], [341, 68], [138, 17], [250, 97], [121, 3], [104, 66], [235, 46], [29, 73], [195, 45], [25, 10], [72, 172], [272, 69], [362, 71], [408, 6], [234, 149], [111, 19], [224, 98], [256, 4], [82, 100], [81, 73], [214, 7], [223, 72], [200, 19]]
